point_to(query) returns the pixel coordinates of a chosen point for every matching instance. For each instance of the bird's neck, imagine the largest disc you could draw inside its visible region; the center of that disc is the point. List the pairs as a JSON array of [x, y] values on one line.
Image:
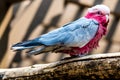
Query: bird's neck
[[100, 19]]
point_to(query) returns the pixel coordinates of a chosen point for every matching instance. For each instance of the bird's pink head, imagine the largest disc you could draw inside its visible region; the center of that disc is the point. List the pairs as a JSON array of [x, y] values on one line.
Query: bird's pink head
[[100, 13]]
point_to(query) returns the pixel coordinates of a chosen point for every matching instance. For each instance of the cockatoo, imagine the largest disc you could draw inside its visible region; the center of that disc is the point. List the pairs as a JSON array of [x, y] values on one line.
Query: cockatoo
[[76, 38]]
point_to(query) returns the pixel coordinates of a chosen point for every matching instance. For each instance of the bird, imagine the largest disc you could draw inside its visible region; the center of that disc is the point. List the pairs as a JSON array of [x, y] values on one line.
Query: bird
[[75, 38]]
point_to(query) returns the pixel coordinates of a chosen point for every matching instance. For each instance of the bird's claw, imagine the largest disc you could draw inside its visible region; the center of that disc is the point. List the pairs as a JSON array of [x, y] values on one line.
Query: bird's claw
[[71, 57]]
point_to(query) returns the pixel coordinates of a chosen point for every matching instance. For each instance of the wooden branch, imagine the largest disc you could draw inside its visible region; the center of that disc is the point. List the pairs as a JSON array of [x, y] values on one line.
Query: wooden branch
[[98, 66]]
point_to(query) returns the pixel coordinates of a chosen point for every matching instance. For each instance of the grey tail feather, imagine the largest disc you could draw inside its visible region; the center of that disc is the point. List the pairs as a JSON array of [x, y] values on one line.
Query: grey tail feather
[[37, 51], [25, 45]]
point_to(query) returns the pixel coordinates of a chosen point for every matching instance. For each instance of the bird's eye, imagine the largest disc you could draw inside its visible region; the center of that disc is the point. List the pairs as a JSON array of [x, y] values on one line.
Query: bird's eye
[[99, 13]]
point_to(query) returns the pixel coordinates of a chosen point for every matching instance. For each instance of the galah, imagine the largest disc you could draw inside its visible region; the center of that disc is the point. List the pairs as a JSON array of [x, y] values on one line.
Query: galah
[[76, 38]]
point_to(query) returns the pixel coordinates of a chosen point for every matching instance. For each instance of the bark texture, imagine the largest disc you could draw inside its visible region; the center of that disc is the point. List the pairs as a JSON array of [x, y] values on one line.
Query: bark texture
[[98, 66]]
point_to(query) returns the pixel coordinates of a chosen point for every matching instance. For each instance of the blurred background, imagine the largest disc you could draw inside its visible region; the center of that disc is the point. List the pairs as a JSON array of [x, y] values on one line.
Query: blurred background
[[22, 20]]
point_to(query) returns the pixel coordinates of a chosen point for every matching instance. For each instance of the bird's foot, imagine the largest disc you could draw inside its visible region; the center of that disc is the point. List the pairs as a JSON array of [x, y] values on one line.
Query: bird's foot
[[71, 57], [74, 56]]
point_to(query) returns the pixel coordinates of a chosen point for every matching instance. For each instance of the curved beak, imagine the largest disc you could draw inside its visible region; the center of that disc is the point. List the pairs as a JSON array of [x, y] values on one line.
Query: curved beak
[[107, 18]]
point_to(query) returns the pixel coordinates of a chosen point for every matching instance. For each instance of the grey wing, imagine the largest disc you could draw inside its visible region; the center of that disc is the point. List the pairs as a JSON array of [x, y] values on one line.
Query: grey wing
[[77, 33]]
